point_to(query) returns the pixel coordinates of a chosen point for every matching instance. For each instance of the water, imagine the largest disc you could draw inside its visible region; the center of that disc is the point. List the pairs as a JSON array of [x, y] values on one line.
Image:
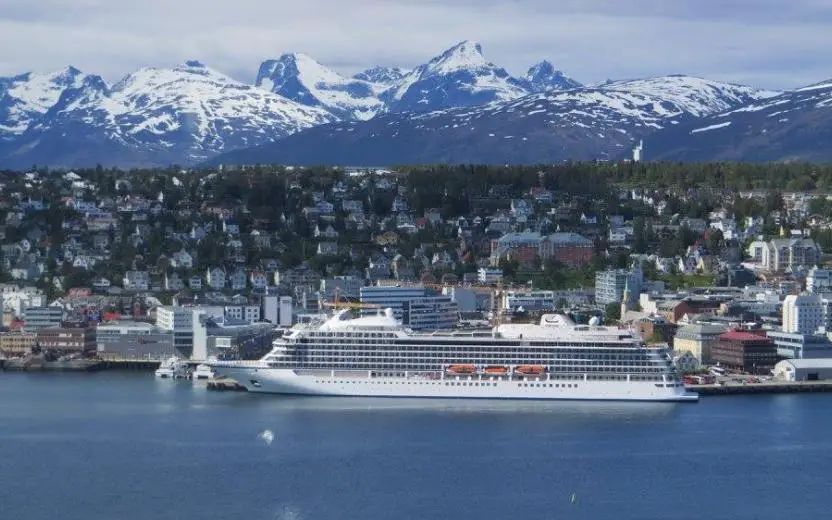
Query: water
[[108, 446]]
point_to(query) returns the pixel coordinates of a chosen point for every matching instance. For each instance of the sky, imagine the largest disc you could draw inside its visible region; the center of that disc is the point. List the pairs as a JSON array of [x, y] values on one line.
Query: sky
[[775, 44]]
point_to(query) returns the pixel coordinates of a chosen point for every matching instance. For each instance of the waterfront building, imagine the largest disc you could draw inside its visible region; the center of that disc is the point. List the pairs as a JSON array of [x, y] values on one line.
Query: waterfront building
[[393, 297], [37, 318], [133, 340], [17, 343], [803, 314], [179, 321], [220, 337], [803, 370], [793, 345], [430, 313], [67, 340], [745, 351], [698, 339], [530, 300]]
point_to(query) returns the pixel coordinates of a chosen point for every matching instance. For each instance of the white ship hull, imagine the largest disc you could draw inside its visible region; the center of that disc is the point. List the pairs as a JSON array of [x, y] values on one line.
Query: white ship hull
[[263, 379]]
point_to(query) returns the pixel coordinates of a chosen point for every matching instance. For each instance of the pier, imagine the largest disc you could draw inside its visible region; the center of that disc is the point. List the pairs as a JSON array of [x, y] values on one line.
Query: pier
[[767, 387]]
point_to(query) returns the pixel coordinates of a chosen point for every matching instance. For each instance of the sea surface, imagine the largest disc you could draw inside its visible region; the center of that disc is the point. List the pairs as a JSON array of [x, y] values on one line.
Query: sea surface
[[112, 446]]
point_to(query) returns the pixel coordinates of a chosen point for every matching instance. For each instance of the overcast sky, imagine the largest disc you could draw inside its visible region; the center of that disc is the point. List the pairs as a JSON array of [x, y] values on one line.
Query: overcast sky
[[765, 43]]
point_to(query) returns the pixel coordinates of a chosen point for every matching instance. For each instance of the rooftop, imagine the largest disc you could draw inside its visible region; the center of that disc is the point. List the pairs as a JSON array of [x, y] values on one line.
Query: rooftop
[[741, 335], [809, 363]]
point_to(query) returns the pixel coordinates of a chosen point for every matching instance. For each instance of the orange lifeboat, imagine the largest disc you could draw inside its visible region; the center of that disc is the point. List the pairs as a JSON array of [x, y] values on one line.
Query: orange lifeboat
[[496, 371], [462, 369], [530, 370]]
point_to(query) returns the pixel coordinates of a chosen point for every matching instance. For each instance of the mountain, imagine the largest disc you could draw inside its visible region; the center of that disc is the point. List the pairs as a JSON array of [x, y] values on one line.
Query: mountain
[[602, 122], [157, 116], [302, 79], [792, 126], [26, 97], [382, 75], [543, 76], [459, 77]]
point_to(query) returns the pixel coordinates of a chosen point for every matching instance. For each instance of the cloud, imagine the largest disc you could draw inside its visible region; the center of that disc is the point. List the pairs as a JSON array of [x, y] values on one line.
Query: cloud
[[767, 43]]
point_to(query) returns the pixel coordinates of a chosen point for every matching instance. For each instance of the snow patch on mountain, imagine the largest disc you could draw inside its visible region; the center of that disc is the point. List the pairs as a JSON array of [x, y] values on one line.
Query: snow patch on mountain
[[26, 97], [385, 76], [302, 79], [716, 126]]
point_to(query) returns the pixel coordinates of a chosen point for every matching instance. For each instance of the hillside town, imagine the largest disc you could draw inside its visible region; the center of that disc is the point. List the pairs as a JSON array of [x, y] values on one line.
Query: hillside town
[[195, 265]]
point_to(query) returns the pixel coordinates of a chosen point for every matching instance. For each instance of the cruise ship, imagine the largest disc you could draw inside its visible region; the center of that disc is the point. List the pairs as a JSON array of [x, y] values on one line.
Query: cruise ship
[[375, 356]]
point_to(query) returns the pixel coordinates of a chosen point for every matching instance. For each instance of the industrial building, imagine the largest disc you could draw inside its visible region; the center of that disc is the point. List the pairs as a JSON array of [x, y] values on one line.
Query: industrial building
[[803, 370], [37, 318], [133, 340], [67, 340]]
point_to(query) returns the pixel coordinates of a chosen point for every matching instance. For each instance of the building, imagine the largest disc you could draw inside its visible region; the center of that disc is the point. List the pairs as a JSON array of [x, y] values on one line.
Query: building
[[136, 281], [745, 351], [179, 322], [246, 313], [489, 275], [819, 280], [655, 329], [67, 340], [278, 310], [803, 314], [37, 318], [430, 313], [529, 301], [610, 285], [347, 287], [799, 346], [392, 297], [803, 370], [215, 278], [784, 254], [17, 343], [16, 299], [685, 362], [698, 339], [222, 338], [133, 340], [527, 248]]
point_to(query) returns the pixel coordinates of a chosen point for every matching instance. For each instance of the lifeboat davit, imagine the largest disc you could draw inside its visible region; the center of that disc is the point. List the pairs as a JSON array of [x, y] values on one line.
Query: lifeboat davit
[[462, 369], [496, 371], [531, 370]]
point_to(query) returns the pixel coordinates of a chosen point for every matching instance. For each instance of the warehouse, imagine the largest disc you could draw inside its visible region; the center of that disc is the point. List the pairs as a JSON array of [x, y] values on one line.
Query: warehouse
[[803, 370]]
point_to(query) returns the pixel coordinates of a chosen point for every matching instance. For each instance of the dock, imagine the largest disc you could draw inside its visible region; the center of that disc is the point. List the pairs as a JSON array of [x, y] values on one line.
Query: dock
[[224, 384], [767, 387]]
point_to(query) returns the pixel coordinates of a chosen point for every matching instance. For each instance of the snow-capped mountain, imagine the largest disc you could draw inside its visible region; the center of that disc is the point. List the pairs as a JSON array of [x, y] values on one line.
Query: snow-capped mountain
[[457, 107], [26, 97], [185, 114], [302, 79], [602, 122], [543, 76], [795, 125], [459, 77], [387, 76]]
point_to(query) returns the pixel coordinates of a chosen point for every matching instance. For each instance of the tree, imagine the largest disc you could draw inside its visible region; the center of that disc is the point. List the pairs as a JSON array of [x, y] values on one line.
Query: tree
[[612, 312]]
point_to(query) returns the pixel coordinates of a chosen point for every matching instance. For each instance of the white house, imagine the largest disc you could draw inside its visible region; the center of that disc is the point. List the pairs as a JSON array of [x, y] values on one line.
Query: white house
[[136, 281], [237, 280], [215, 277], [258, 280], [173, 282], [182, 259]]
